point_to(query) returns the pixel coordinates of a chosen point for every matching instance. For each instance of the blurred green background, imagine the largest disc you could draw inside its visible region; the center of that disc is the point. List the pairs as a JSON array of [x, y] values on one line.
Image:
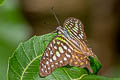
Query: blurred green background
[[13, 30], [21, 19]]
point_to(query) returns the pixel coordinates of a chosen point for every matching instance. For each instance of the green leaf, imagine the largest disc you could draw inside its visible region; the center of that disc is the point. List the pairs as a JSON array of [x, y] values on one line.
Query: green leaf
[[24, 63], [95, 64], [95, 77]]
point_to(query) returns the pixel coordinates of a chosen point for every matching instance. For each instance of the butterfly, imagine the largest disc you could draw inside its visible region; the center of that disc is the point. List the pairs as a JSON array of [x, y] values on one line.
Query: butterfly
[[67, 48]]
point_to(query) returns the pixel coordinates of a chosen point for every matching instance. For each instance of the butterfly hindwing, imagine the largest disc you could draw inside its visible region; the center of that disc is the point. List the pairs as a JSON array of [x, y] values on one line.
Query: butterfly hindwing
[[75, 28], [79, 59]]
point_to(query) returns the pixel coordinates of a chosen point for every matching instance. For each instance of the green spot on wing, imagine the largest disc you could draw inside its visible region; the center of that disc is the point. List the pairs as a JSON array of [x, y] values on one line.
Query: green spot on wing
[[57, 53], [58, 38], [58, 43], [68, 30]]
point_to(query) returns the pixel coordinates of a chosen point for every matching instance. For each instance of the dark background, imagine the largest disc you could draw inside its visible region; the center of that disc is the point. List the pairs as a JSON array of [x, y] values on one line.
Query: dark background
[[21, 19]]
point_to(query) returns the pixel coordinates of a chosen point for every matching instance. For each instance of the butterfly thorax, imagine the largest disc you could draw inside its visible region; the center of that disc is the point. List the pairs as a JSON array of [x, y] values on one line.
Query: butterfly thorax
[[66, 34]]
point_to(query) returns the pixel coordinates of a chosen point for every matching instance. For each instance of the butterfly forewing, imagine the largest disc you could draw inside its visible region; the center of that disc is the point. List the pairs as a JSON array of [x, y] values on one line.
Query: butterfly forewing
[[57, 54], [75, 28]]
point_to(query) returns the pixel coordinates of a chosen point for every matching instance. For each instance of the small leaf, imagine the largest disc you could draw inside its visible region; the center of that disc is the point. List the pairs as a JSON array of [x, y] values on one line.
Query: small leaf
[[24, 63], [95, 64]]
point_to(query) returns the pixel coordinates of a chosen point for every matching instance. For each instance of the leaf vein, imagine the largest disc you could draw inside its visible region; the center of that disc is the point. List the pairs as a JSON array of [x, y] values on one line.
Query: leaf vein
[[25, 53], [19, 63], [15, 71], [67, 74], [80, 78], [34, 48], [55, 76], [28, 66]]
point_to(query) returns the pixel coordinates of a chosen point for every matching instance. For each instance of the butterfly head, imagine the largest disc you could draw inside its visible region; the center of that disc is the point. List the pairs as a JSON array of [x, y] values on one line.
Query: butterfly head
[[59, 29]]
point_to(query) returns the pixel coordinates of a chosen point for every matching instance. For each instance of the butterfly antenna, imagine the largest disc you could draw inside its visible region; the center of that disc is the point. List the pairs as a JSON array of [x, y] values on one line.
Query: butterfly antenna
[[52, 9]]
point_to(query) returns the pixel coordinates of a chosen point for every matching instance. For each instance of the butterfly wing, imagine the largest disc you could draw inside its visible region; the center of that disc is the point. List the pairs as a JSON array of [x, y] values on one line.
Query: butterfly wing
[[60, 52], [54, 56], [79, 59], [75, 28]]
